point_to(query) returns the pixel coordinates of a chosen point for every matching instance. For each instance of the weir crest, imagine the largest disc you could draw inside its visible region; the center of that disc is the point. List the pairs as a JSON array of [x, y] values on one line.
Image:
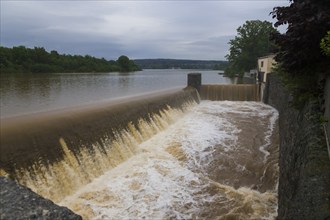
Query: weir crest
[[66, 150], [160, 156], [77, 169]]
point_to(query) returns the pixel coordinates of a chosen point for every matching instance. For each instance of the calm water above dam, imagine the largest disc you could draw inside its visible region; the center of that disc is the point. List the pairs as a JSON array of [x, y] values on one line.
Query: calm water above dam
[[25, 93]]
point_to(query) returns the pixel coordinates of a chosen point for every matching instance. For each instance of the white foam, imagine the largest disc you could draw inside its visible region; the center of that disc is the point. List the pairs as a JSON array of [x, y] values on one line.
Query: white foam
[[154, 184], [249, 109], [201, 130]]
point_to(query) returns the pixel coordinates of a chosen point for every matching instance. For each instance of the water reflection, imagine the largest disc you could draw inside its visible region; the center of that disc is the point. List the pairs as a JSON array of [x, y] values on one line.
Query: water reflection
[[25, 93], [26, 89], [125, 79]]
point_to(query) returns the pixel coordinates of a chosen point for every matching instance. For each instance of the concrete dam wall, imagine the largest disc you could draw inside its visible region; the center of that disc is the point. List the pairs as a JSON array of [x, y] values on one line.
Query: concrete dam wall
[[57, 153], [240, 92], [31, 144], [221, 92]]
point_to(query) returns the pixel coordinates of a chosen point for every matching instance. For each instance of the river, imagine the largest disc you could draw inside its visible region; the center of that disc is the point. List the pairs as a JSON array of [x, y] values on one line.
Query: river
[[207, 160], [27, 93]]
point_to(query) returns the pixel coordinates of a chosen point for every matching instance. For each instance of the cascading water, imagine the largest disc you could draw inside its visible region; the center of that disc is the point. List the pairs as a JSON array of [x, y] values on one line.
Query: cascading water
[[215, 160], [218, 161], [77, 169], [64, 150], [240, 92]]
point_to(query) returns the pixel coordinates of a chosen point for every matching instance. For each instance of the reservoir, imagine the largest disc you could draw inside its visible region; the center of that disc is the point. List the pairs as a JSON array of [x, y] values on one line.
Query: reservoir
[[27, 93]]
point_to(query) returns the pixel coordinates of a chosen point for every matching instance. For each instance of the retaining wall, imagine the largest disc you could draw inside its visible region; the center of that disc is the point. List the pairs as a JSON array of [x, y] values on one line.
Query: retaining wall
[[304, 182]]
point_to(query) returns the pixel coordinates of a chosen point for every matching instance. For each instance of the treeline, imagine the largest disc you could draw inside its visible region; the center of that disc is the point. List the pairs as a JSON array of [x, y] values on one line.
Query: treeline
[[180, 64], [21, 59]]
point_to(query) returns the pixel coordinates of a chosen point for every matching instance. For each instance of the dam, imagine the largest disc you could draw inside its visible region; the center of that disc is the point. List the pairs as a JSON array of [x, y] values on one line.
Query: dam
[[180, 154]]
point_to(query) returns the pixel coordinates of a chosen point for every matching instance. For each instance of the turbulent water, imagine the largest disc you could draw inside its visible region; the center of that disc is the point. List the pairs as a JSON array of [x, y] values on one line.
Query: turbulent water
[[218, 160]]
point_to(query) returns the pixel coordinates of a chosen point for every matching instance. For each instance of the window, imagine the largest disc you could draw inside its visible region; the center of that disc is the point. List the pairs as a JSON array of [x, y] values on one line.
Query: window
[[262, 64]]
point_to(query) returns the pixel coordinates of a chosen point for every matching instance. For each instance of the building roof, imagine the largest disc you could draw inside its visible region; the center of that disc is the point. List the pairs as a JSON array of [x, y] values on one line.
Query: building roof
[[267, 56]]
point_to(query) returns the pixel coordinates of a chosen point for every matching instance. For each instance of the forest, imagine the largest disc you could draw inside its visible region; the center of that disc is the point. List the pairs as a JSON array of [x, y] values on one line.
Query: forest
[[180, 64], [21, 59]]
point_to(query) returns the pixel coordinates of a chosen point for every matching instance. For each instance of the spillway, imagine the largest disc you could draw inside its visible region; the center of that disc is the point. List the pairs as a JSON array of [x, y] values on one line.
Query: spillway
[[65, 149], [163, 156], [239, 92]]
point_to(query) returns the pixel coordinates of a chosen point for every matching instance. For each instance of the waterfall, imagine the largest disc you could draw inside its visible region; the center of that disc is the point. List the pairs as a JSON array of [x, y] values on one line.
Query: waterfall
[[162, 156], [240, 92], [55, 153]]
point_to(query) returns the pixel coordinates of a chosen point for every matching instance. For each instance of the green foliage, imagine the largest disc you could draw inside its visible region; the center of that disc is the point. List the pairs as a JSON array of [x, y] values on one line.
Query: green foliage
[[37, 60], [123, 62], [305, 65], [323, 119], [302, 88], [308, 22], [252, 41], [325, 44], [126, 65], [222, 65]]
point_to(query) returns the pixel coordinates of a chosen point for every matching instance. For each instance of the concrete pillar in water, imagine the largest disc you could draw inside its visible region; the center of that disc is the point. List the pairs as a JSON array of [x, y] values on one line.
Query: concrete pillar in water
[[195, 80]]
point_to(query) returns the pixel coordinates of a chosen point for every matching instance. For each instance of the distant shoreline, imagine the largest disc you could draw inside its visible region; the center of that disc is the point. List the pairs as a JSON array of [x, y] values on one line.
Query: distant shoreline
[[181, 64]]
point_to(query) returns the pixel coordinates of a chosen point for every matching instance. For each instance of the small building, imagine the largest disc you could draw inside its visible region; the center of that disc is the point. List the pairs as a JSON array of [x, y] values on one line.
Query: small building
[[265, 65]]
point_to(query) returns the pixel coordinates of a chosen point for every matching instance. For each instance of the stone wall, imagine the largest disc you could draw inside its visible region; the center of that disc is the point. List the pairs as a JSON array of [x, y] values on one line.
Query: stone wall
[[327, 106], [304, 182], [19, 202]]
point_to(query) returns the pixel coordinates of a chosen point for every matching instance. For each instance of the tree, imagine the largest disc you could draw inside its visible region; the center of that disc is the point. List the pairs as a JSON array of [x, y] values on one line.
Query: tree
[[124, 63], [37, 60], [127, 65], [325, 44], [299, 48], [304, 64], [252, 41]]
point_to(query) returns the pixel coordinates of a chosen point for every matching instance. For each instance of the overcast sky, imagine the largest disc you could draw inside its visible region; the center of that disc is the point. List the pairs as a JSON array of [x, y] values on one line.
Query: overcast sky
[[137, 29]]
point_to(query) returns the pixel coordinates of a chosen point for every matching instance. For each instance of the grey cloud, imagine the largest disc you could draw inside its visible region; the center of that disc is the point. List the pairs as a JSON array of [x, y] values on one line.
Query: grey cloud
[[168, 29]]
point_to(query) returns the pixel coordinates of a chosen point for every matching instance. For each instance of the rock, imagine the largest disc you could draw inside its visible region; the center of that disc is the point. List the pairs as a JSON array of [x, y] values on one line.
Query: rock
[[19, 202]]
